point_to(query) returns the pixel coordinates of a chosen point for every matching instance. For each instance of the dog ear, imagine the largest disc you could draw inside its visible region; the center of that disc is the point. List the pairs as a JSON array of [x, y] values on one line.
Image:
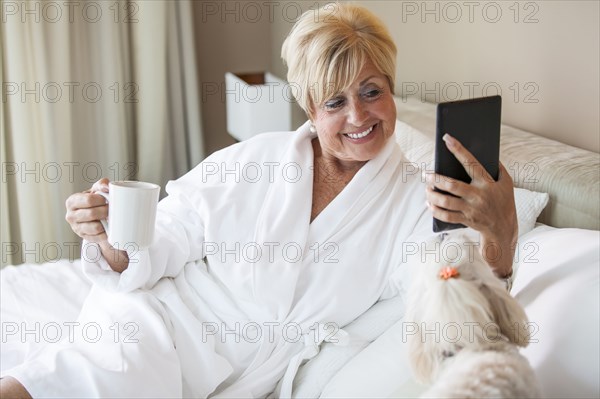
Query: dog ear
[[421, 352], [508, 314], [422, 357]]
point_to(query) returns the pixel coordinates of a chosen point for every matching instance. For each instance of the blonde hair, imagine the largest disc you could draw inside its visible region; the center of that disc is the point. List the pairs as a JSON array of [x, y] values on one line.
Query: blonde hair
[[327, 48]]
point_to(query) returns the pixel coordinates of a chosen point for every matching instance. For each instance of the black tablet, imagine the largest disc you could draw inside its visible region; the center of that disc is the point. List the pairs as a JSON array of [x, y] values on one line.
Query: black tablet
[[476, 124]]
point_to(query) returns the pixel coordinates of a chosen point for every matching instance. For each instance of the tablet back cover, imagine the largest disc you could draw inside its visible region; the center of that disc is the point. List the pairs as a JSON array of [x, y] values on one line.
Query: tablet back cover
[[476, 124]]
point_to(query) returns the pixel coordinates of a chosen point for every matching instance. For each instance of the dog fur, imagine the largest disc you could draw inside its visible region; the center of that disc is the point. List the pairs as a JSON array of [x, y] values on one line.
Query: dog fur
[[464, 332]]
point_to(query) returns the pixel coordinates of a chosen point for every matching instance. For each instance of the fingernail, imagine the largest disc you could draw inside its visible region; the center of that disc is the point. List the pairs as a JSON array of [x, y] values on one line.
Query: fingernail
[[449, 140]]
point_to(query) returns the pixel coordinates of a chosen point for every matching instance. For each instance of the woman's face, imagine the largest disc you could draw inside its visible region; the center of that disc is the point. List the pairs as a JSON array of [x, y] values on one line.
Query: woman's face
[[354, 125]]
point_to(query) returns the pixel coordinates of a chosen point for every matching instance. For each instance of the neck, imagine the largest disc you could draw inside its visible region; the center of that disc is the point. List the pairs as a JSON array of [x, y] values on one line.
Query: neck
[[332, 163]]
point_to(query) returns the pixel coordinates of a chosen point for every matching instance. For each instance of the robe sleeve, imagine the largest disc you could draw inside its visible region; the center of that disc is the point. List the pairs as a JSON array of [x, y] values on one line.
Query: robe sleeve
[[178, 239]]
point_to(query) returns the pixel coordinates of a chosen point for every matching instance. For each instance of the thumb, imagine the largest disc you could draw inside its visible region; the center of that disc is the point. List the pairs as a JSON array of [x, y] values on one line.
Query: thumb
[[101, 185]]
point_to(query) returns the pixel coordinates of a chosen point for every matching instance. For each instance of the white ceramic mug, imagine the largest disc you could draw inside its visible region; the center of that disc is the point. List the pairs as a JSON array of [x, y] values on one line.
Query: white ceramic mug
[[131, 214]]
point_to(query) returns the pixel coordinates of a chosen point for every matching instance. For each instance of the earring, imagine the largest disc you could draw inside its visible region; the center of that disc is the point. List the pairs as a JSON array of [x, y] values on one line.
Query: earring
[[312, 128]]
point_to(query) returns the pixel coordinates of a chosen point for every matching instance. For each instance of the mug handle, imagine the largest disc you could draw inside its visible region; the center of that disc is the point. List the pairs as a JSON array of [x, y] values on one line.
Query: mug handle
[[103, 221]]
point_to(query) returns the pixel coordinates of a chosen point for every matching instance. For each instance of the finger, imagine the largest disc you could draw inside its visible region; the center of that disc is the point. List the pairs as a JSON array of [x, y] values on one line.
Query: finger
[[468, 161], [444, 201], [445, 215], [84, 200], [91, 231], [85, 215], [448, 184]]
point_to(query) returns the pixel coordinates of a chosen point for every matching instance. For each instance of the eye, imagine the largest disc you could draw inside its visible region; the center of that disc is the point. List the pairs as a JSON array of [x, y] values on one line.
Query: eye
[[372, 93], [334, 103]]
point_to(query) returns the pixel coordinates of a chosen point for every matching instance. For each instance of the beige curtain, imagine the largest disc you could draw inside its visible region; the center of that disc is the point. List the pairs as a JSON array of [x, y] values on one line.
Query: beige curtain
[[90, 89]]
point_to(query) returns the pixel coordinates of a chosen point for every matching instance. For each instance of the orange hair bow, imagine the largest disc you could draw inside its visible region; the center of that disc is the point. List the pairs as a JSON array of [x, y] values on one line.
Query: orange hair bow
[[449, 272]]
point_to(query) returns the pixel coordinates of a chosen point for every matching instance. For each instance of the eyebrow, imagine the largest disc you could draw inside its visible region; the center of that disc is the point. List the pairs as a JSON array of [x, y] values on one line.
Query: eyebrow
[[371, 77], [365, 80]]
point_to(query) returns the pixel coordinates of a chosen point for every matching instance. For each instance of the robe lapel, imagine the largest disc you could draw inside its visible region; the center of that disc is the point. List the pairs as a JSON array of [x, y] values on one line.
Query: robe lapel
[[355, 198], [283, 227]]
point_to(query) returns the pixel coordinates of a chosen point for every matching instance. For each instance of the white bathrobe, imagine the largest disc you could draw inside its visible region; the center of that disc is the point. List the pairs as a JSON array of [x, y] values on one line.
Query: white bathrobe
[[239, 287]]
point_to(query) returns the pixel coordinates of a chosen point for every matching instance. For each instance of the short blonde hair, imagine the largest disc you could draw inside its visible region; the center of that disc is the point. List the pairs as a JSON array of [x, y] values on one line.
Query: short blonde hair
[[327, 48]]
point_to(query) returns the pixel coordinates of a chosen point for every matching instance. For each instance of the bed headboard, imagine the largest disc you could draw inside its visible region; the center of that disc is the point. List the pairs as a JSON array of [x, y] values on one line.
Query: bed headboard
[[571, 176]]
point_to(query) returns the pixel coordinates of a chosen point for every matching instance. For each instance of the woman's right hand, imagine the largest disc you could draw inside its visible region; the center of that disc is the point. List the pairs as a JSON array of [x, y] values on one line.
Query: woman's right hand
[[84, 212]]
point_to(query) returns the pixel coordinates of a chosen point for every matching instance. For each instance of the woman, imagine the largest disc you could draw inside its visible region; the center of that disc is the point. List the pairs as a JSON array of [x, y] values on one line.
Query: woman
[[247, 277]]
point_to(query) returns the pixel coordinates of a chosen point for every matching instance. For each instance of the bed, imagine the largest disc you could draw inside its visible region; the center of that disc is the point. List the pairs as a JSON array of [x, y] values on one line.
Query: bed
[[557, 279]]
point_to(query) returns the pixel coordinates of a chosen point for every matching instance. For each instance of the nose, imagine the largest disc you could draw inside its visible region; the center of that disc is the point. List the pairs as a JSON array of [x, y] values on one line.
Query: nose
[[357, 113]]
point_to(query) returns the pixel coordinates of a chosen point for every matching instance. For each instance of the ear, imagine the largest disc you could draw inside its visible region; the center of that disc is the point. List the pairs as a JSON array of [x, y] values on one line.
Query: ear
[[420, 351], [422, 358], [508, 314]]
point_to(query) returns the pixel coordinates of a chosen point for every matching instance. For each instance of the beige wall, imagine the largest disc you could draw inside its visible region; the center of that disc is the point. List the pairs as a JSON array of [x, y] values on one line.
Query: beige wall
[[280, 28], [229, 38], [542, 55]]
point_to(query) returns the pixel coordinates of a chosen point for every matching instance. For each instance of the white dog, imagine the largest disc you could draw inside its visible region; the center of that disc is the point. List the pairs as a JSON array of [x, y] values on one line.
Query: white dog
[[464, 328]]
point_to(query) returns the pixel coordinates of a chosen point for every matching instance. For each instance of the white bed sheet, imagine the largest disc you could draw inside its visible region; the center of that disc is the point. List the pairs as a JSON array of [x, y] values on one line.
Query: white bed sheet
[[559, 286], [39, 304]]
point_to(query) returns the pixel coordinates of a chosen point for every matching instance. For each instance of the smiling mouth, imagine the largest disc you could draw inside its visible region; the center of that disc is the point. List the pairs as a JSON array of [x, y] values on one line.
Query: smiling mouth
[[361, 134]]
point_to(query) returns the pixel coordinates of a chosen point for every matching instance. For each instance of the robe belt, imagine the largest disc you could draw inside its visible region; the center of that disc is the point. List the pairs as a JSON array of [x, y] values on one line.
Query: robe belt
[[322, 332]]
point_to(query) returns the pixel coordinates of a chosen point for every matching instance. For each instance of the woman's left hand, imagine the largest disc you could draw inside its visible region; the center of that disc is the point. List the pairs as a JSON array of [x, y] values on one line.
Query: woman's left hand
[[485, 205]]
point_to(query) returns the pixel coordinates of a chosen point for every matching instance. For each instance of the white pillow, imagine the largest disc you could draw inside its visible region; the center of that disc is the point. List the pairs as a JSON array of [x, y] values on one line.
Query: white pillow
[[379, 371], [529, 205], [313, 376]]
